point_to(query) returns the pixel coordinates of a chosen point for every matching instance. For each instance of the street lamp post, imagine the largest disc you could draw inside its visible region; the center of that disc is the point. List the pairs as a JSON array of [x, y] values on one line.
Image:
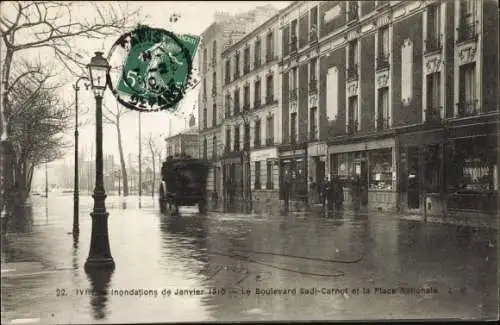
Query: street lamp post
[[100, 252], [76, 226]]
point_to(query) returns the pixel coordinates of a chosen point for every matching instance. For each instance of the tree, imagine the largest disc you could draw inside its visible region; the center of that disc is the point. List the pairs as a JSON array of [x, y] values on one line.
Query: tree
[[113, 117], [37, 25], [155, 151], [37, 124]]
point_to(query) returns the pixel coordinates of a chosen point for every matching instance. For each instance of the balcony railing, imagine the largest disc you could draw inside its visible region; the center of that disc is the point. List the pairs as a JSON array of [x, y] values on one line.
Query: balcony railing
[[433, 114], [433, 44], [269, 99], [466, 32], [352, 72], [269, 185], [256, 104], [313, 86], [269, 141], [383, 62], [352, 13], [383, 122], [313, 133], [269, 57], [227, 148], [382, 4], [293, 94], [257, 62], [468, 108], [246, 107], [246, 68], [293, 44], [352, 127], [237, 146], [313, 36]]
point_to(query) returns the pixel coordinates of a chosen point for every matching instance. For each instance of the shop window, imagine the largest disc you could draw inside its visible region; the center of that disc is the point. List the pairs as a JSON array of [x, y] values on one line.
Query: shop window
[[381, 169], [257, 175]]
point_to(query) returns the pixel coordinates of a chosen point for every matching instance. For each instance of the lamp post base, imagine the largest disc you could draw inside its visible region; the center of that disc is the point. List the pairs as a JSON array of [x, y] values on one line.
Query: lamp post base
[[99, 263]]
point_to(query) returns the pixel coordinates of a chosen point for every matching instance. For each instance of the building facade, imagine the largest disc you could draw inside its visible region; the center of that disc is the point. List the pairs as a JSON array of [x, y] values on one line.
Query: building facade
[[225, 31], [251, 128], [399, 99]]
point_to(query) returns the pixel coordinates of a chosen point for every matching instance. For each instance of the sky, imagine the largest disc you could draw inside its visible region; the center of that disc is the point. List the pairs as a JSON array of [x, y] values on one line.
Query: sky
[[195, 17]]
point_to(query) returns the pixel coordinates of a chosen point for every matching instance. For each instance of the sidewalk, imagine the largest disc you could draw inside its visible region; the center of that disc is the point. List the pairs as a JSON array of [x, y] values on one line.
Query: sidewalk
[[452, 218]]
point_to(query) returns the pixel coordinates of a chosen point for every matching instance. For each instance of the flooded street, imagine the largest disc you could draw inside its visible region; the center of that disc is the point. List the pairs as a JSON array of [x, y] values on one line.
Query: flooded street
[[243, 267]]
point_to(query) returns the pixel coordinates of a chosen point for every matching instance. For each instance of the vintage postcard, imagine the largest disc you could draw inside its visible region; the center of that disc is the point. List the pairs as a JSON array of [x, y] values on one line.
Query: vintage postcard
[[206, 161]]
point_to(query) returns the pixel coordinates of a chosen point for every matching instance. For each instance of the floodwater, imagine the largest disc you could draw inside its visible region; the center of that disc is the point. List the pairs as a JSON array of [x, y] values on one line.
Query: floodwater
[[236, 267]]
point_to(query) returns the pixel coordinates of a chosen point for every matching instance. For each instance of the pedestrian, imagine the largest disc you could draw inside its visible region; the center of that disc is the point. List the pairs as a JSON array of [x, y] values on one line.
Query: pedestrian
[[330, 196], [322, 192], [312, 191], [286, 191], [339, 193]]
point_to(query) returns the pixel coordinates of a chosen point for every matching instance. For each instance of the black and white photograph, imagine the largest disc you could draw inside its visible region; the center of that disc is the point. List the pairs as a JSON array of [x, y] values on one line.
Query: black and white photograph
[[241, 161]]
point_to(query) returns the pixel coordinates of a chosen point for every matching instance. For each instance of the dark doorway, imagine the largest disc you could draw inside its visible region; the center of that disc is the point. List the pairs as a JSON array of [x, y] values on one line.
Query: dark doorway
[[413, 194]]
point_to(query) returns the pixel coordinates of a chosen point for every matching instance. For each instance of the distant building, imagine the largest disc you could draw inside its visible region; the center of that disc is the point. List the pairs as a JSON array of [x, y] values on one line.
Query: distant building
[[185, 142]]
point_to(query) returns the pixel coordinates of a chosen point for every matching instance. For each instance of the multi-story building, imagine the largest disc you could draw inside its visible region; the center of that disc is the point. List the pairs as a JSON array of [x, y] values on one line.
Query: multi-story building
[[251, 128], [407, 101], [225, 31]]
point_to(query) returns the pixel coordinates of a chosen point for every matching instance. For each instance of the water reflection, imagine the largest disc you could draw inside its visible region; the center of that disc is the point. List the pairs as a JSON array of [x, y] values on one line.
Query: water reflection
[[99, 279], [21, 221]]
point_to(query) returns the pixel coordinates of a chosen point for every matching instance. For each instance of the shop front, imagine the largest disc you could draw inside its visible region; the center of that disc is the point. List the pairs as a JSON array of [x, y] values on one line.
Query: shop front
[[232, 170], [317, 153], [264, 179], [368, 173], [293, 175], [472, 170]]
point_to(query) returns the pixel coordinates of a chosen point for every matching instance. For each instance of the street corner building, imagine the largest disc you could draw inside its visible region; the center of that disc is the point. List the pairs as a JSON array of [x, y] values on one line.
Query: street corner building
[[397, 99]]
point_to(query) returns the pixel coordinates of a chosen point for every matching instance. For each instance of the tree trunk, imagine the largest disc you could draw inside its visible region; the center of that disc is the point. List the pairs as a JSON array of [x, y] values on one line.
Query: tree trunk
[[154, 175], [122, 160]]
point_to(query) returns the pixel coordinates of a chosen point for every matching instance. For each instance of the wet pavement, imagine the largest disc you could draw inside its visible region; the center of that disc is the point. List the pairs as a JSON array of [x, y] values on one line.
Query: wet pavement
[[236, 267]]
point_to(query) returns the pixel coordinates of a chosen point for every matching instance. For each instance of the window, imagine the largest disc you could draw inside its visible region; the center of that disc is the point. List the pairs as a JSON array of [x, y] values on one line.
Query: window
[[293, 127], [313, 123], [352, 70], [381, 169], [246, 61], [228, 105], [246, 136], [205, 59], [205, 89], [293, 84], [467, 92], [257, 94], [236, 101], [257, 175], [313, 84], [214, 146], [352, 124], [433, 41], [269, 183], [236, 65], [383, 48], [228, 139], [313, 30], [269, 47], [269, 89], [383, 108], [237, 138], [205, 117], [293, 35], [228, 72], [246, 97], [257, 53], [257, 133], [214, 83], [270, 130], [352, 12], [433, 110], [214, 52], [214, 114], [205, 148]]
